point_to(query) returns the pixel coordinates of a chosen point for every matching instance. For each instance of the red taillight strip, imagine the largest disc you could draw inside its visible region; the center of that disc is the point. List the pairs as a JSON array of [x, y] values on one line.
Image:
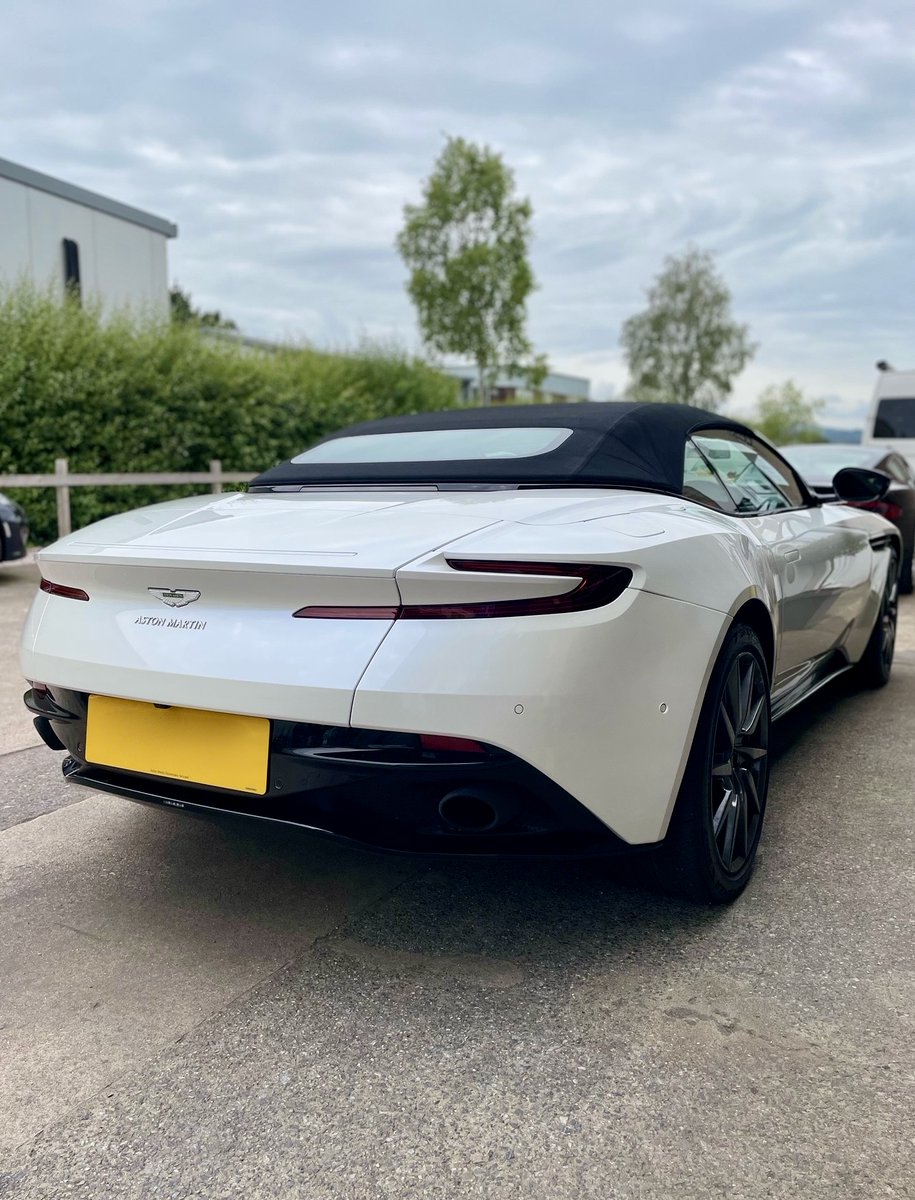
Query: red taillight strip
[[597, 585], [350, 612], [60, 589]]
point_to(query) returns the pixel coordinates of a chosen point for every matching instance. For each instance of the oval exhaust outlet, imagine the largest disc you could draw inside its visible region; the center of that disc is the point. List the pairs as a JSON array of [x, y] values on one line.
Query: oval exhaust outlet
[[477, 809]]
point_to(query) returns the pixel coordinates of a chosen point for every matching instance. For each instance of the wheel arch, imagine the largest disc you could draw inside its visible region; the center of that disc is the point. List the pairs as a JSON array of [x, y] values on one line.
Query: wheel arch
[[755, 614]]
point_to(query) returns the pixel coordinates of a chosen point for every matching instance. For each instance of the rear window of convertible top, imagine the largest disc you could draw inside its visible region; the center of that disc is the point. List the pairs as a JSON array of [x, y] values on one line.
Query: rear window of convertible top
[[437, 445]]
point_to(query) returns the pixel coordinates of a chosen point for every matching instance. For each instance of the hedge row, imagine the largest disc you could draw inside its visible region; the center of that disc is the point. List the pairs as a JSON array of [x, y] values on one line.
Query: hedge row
[[120, 395]]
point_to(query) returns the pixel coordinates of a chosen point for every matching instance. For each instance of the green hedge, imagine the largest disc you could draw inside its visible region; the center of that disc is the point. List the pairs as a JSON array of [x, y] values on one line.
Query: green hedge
[[120, 395]]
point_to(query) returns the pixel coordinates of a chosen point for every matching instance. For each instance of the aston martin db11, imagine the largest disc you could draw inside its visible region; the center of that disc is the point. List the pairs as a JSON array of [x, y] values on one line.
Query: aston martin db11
[[540, 630]]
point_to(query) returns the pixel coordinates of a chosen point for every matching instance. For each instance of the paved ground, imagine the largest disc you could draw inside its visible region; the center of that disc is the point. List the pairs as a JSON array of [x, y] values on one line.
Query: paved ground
[[17, 587], [201, 1010]]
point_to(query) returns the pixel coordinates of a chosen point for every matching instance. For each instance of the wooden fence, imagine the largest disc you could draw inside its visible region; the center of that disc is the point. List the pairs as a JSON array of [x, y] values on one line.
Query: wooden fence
[[62, 480]]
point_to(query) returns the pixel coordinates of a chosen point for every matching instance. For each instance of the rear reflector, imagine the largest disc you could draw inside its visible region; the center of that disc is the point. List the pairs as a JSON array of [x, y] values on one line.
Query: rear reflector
[[435, 741], [351, 612], [597, 585], [59, 589]]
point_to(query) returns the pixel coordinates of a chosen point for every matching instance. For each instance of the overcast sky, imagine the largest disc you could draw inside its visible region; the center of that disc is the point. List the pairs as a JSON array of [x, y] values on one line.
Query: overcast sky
[[284, 138]]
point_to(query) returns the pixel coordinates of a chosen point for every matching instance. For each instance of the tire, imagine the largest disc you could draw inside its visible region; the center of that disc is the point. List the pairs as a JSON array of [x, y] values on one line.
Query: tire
[[876, 662], [714, 833]]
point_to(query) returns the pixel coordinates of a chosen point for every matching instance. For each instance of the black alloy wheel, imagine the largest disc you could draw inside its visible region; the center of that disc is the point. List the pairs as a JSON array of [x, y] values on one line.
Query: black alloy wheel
[[717, 822], [740, 763]]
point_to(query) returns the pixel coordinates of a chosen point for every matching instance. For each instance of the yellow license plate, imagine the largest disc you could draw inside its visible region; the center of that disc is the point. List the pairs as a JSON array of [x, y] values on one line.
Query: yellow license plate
[[219, 749]]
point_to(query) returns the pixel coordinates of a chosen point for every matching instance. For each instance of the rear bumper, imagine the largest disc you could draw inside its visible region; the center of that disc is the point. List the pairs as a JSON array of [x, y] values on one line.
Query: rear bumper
[[599, 705], [322, 779]]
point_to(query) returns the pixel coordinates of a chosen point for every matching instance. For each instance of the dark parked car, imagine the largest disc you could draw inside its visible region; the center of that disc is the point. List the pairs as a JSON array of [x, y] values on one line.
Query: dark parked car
[[14, 530], [819, 463]]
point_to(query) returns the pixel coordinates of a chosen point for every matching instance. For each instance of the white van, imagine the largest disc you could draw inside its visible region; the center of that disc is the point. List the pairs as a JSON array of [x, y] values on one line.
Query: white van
[[891, 421]]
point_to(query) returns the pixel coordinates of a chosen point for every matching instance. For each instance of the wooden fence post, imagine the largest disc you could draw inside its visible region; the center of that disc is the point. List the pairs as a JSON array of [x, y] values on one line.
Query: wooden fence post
[[62, 470], [216, 472]]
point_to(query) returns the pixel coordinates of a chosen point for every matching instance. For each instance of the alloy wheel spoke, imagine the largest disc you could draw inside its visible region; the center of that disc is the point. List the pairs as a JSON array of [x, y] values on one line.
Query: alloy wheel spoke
[[752, 793], [742, 820], [730, 833], [729, 729], [730, 704], [746, 692], [754, 753], [749, 725], [721, 811]]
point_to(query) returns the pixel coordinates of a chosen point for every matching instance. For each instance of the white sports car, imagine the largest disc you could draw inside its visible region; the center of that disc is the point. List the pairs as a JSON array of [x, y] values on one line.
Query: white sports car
[[546, 629]]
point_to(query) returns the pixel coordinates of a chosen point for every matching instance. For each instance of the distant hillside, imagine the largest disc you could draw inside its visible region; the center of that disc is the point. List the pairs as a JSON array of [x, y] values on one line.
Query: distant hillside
[[850, 437]]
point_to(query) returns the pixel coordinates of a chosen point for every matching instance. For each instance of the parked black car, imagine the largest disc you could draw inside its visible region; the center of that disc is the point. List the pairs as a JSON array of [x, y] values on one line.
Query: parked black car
[[818, 464], [14, 530]]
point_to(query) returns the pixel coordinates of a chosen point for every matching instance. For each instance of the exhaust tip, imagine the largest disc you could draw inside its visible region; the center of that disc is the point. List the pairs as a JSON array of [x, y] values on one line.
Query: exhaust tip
[[476, 810]]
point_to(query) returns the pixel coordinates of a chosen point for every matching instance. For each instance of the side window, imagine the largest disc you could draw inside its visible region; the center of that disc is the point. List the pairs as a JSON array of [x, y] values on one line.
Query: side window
[[757, 480], [700, 483]]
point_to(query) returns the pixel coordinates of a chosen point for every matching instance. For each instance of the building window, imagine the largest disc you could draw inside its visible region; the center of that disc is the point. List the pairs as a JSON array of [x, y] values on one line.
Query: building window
[[71, 269]]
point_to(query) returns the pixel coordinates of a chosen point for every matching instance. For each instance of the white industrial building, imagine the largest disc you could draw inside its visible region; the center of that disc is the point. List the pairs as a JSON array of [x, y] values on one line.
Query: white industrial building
[[54, 234]]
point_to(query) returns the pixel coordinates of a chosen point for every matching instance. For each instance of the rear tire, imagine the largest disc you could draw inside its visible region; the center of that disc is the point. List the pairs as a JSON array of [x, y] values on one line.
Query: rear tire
[[877, 660], [714, 833]]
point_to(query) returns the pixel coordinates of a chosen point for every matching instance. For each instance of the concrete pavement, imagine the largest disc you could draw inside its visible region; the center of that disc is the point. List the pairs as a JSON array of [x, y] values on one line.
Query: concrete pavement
[[194, 1009], [18, 581]]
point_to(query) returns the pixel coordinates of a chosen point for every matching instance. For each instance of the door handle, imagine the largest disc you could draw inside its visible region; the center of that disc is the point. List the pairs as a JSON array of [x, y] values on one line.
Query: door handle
[[791, 555]]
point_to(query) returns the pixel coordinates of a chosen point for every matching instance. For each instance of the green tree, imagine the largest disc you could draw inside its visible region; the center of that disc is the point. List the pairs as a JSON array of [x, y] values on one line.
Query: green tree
[[184, 313], [466, 248], [785, 415], [686, 348]]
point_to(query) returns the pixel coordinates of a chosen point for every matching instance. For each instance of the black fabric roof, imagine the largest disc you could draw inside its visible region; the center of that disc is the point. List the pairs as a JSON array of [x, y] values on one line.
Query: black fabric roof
[[640, 445]]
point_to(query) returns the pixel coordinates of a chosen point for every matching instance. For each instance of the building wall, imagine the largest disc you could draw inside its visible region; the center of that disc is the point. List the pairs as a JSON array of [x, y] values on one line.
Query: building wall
[[555, 388], [121, 264]]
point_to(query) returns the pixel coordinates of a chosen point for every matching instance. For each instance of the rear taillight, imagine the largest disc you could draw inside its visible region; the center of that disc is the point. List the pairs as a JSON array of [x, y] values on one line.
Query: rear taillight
[[60, 589], [597, 585], [883, 508]]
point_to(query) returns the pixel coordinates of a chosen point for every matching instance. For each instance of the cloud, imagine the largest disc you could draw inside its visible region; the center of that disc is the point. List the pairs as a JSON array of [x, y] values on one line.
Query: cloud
[[653, 28], [285, 142]]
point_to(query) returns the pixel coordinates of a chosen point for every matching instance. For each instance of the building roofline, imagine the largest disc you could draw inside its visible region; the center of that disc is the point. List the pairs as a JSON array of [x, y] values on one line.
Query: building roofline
[[78, 195]]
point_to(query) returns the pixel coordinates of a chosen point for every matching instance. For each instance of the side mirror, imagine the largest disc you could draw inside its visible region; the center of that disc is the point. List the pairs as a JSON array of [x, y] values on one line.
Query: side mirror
[[860, 484]]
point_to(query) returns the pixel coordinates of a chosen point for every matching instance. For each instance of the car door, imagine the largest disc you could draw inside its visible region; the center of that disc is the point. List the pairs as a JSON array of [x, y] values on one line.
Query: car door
[[820, 563]]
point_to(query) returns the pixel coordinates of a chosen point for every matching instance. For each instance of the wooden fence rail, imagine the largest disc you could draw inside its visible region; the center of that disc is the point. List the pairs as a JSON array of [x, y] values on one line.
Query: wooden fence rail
[[62, 480]]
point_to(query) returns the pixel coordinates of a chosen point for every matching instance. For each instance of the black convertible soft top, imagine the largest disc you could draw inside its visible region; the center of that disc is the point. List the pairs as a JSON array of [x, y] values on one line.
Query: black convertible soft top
[[617, 443]]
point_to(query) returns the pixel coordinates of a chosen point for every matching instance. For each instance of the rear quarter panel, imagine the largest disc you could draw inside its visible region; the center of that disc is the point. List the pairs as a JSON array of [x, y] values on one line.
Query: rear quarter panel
[[604, 702]]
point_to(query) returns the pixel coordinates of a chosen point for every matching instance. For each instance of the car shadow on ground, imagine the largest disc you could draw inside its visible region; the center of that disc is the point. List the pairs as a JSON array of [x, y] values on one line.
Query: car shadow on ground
[[237, 870], [234, 879]]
